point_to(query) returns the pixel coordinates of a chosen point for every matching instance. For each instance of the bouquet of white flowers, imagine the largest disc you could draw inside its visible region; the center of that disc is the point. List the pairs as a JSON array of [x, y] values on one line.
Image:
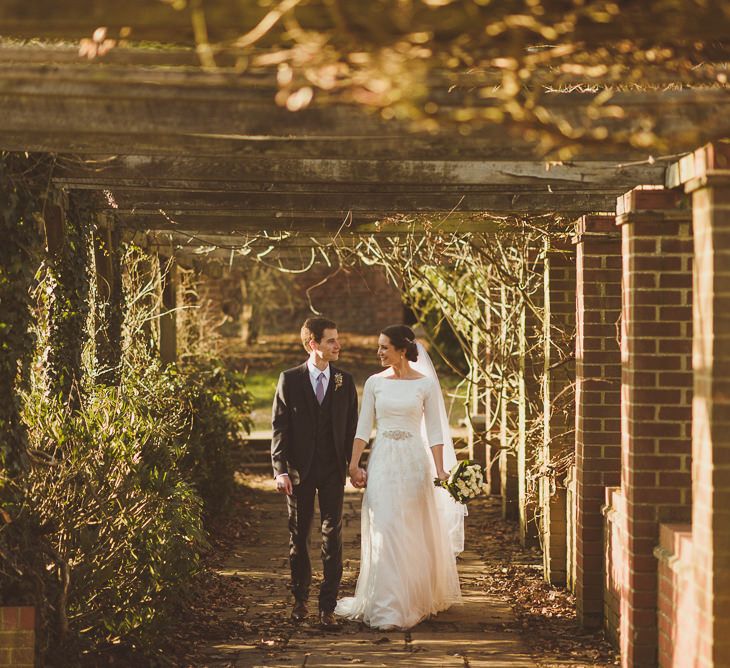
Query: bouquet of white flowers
[[466, 481]]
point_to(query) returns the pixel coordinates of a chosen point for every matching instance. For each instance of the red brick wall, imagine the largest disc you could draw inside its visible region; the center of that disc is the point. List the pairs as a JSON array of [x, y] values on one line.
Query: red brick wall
[[558, 405], [615, 558], [361, 301], [656, 406], [711, 407], [677, 616], [597, 400], [17, 637]]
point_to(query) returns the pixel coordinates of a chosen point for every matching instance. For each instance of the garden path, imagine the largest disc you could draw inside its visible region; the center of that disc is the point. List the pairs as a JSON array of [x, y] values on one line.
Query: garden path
[[479, 633]]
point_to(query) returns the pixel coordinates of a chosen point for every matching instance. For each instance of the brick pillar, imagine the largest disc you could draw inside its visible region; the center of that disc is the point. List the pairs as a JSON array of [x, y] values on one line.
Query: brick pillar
[[597, 400], [710, 189], [17, 637], [558, 404], [656, 402]]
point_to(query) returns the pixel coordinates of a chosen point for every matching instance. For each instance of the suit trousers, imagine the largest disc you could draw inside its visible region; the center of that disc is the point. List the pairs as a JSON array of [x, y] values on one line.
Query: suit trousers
[[329, 487]]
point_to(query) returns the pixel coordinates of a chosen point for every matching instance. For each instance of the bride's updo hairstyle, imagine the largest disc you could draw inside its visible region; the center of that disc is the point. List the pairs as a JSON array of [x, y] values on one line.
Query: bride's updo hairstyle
[[403, 338]]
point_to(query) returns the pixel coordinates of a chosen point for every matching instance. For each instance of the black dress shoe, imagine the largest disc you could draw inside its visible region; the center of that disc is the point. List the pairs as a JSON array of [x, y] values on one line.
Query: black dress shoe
[[299, 611], [328, 621]]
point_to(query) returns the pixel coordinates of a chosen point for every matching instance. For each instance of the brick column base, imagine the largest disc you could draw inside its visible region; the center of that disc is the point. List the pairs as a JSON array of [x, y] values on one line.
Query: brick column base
[[17, 637]]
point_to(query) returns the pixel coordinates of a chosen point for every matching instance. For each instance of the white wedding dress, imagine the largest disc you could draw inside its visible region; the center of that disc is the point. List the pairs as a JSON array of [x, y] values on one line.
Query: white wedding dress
[[407, 565]]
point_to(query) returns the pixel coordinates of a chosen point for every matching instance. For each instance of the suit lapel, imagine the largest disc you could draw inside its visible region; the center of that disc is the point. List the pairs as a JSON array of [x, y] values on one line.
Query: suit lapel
[[307, 391]]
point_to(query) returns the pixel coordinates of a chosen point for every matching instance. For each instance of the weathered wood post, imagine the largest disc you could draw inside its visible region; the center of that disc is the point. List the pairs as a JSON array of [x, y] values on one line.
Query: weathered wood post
[[109, 310], [168, 314], [507, 424], [69, 225], [528, 389]]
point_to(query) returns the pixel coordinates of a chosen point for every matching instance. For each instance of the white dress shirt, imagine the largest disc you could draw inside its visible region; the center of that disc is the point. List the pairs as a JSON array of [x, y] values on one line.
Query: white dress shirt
[[314, 375]]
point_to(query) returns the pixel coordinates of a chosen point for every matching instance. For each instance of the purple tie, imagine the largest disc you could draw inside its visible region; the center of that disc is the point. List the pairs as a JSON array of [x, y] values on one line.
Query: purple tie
[[319, 392]]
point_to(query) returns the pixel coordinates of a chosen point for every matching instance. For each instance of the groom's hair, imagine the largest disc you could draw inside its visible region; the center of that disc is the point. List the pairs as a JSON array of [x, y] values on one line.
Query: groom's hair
[[313, 328]]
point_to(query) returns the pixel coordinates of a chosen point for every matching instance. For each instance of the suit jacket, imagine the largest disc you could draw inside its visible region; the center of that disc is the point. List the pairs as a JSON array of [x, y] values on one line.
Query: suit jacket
[[294, 421]]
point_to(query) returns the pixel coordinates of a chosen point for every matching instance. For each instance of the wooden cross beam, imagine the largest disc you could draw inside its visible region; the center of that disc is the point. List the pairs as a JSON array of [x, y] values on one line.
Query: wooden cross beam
[[63, 108], [278, 206], [223, 173], [198, 224]]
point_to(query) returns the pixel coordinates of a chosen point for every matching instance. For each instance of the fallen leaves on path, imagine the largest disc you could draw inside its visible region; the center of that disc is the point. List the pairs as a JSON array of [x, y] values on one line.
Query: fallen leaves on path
[[247, 608], [546, 615]]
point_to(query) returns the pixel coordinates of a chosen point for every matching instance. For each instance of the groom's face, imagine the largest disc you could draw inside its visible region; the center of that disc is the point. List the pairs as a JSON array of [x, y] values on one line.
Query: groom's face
[[328, 349]]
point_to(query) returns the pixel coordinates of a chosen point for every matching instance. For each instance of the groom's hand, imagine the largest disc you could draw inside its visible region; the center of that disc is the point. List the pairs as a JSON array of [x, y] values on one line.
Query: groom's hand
[[283, 484]]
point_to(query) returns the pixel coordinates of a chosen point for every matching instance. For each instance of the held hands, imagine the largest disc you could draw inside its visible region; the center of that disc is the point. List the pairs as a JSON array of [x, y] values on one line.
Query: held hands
[[283, 484], [358, 477]]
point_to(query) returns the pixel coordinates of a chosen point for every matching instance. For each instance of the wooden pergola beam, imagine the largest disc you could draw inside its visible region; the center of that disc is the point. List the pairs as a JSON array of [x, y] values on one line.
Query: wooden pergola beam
[[37, 103], [180, 62], [316, 224], [226, 173], [275, 206]]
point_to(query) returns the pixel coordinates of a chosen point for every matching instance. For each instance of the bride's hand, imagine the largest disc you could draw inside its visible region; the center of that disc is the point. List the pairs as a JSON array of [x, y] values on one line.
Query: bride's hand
[[358, 477], [442, 475]]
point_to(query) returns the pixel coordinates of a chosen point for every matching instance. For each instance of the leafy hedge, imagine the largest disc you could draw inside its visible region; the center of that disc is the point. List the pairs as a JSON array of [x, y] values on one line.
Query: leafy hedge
[[122, 525], [116, 493], [103, 493]]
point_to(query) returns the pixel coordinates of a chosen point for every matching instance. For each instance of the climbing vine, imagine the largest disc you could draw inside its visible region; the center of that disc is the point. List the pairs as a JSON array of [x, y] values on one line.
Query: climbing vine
[[109, 311], [19, 232], [69, 283]]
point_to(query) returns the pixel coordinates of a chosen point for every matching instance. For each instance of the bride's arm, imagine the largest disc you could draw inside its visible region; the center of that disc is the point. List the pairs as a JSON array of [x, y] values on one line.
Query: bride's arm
[[433, 429], [437, 451], [358, 445], [358, 476]]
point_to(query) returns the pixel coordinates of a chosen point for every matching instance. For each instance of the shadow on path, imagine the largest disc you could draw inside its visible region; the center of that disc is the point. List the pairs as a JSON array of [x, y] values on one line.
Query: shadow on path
[[241, 617]]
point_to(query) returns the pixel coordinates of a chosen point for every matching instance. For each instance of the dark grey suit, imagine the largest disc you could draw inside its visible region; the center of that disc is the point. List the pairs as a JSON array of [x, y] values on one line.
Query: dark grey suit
[[313, 444]]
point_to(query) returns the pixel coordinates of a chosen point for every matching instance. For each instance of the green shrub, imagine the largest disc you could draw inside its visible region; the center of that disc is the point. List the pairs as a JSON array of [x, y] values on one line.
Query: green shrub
[[220, 408], [104, 529], [121, 526], [112, 506]]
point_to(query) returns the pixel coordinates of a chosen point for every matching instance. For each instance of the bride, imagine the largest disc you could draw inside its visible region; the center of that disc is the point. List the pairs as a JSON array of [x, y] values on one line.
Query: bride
[[411, 530]]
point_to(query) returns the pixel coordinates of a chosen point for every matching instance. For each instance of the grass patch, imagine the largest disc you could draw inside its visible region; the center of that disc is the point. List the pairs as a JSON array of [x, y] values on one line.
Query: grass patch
[[263, 362], [261, 385]]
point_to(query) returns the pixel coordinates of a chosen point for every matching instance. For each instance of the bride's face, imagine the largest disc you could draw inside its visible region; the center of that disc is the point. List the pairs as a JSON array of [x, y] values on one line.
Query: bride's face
[[387, 353]]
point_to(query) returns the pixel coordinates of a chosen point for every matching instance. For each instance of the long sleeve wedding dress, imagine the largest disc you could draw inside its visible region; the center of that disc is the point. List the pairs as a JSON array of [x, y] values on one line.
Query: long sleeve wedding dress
[[407, 566]]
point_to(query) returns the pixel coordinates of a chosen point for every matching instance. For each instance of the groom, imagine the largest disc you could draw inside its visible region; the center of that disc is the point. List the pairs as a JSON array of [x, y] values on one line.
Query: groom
[[314, 419]]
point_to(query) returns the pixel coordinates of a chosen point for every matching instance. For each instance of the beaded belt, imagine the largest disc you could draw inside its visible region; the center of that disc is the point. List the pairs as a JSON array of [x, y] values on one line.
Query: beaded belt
[[397, 434]]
